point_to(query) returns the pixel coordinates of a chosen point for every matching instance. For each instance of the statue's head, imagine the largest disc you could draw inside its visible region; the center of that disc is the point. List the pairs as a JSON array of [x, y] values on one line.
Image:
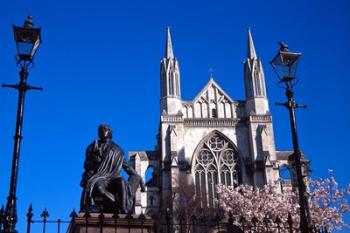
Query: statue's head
[[104, 132]]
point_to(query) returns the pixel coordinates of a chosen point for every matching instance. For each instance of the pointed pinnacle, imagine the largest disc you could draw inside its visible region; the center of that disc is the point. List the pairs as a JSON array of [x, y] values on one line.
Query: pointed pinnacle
[[251, 54], [168, 46]]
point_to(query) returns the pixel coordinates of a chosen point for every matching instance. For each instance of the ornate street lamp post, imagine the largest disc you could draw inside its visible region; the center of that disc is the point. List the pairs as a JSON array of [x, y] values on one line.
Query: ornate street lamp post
[[285, 65], [27, 40]]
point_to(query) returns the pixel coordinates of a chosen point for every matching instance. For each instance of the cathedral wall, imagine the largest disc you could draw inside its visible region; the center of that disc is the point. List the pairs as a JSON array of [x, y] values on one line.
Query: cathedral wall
[[205, 110], [238, 135], [193, 136], [257, 105], [171, 104]]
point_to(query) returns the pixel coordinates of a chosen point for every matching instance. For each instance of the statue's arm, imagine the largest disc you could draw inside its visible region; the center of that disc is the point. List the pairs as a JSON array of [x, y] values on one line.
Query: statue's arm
[[134, 179], [129, 170]]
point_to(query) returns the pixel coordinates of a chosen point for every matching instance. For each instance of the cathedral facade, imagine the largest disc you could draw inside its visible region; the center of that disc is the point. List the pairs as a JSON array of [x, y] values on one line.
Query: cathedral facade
[[210, 140]]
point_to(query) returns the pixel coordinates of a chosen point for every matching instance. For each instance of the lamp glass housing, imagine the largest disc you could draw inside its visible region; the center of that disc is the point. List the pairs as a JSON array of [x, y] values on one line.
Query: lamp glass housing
[[285, 64], [27, 41]]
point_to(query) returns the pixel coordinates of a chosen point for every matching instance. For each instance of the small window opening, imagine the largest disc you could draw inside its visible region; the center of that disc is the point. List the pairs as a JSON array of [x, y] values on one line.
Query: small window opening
[[150, 177], [214, 113]]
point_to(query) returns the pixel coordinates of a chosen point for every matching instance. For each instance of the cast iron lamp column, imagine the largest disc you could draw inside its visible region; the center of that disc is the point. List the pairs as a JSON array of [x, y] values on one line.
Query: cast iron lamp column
[[285, 64], [27, 41]]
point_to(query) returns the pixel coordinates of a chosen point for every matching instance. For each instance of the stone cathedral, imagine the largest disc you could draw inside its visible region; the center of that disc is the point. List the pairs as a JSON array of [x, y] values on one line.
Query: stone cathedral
[[212, 139]]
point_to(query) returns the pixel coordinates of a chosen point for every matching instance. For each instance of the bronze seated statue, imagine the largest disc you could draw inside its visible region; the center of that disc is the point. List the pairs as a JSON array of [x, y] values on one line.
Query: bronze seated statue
[[104, 190]]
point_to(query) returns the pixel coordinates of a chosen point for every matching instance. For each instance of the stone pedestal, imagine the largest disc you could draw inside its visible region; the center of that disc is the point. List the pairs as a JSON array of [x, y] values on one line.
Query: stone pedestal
[[109, 223]]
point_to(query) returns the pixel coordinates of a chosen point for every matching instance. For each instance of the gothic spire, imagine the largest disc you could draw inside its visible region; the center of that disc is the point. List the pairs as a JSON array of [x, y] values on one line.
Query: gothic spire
[[170, 80], [251, 54], [254, 81], [168, 46]]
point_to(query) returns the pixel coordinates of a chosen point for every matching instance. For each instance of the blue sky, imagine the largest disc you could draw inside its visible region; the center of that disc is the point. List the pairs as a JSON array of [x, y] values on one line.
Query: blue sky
[[99, 62]]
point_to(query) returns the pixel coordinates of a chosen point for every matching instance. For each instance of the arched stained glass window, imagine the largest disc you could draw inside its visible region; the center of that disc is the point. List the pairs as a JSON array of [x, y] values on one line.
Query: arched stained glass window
[[216, 161]]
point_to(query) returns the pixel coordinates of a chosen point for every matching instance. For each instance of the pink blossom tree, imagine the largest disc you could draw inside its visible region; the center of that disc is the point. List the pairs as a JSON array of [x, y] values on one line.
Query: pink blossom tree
[[328, 204]]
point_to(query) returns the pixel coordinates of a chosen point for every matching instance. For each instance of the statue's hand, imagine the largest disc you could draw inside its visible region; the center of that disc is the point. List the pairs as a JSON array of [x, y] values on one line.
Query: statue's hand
[[143, 189]]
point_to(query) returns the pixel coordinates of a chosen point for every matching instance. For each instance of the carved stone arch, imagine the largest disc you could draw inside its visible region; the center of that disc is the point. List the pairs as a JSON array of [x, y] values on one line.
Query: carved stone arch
[[202, 141], [151, 176], [286, 176], [216, 160]]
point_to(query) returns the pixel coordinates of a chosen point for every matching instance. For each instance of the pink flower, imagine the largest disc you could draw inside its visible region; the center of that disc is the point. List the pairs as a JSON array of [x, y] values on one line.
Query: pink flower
[[328, 203]]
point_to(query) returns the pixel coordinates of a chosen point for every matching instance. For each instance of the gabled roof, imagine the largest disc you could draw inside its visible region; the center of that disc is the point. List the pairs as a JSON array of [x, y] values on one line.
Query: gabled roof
[[207, 86]]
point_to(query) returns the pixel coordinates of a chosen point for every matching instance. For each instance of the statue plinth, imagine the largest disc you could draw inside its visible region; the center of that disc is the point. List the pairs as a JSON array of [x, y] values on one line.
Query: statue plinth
[[109, 223]]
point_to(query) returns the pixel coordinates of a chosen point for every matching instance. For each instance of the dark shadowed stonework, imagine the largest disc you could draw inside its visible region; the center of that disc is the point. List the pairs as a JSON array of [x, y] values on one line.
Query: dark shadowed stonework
[[110, 223]]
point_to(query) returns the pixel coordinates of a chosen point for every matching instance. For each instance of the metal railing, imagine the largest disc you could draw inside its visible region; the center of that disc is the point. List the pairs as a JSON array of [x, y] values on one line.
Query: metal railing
[[100, 222], [229, 224]]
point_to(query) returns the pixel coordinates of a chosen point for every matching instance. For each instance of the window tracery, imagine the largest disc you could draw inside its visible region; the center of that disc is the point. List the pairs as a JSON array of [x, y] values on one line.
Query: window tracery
[[216, 162]]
